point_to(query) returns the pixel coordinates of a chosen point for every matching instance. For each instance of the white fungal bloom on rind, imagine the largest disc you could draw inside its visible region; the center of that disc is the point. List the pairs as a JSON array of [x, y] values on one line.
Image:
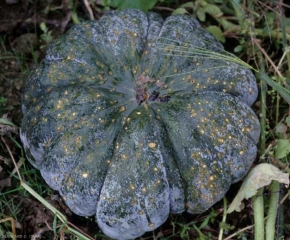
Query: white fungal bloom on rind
[[129, 123]]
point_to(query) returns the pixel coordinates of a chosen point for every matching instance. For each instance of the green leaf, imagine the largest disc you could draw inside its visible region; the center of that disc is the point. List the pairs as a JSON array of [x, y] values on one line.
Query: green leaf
[[260, 176], [10, 235], [180, 10], [226, 226], [282, 148], [280, 128], [238, 48], [43, 27], [213, 10], [188, 5], [7, 122], [201, 14], [217, 32], [287, 120], [143, 5], [54, 224], [205, 222]]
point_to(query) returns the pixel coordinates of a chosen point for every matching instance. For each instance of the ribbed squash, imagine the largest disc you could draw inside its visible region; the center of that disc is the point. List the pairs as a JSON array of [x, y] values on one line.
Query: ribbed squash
[[129, 131]]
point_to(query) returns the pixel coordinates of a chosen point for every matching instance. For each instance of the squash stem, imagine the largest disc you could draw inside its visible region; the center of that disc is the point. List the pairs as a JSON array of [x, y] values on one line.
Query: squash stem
[[272, 212]]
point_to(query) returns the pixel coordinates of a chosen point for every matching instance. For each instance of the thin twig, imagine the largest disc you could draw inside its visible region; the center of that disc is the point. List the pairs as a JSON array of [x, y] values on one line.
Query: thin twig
[[267, 56], [11, 219], [11, 155], [87, 4], [238, 232]]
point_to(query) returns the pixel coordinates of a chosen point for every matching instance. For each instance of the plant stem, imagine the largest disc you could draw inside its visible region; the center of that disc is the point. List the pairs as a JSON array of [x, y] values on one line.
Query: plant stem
[[272, 212], [224, 218], [263, 116], [284, 42], [258, 206], [258, 200]]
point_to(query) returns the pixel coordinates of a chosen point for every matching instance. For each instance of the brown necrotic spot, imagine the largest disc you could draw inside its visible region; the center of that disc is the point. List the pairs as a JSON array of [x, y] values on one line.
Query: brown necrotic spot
[[141, 94]]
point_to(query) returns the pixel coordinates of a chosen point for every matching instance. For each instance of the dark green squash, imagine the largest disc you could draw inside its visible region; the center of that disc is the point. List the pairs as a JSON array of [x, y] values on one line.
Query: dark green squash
[[130, 132]]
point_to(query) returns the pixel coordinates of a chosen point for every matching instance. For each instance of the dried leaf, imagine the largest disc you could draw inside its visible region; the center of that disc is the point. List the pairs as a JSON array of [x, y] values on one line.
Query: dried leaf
[[258, 177], [5, 160], [6, 182], [6, 126]]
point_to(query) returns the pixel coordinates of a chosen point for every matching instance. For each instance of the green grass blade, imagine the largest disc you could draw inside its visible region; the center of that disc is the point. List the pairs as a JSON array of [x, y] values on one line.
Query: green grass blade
[[170, 49], [44, 202], [57, 213], [280, 89], [7, 122]]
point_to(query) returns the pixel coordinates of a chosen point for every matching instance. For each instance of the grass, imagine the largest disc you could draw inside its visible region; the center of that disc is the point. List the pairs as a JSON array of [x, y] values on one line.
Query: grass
[[255, 32]]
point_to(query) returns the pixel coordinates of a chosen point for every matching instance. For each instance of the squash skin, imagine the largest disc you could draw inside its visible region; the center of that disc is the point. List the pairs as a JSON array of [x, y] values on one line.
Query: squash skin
[[130, 163]]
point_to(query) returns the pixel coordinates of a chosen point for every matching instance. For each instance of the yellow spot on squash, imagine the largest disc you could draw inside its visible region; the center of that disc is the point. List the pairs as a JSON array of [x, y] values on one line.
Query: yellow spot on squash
[[152, 145], [85, 175], [151, 225]]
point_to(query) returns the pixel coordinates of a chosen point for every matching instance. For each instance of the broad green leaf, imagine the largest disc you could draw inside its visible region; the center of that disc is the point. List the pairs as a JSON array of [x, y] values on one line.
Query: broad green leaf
[[213, 10], [282, 148], [238, 48], [217, 32], [188, 5], [201, 14], [180, 10], [143, 5], [258, 177]]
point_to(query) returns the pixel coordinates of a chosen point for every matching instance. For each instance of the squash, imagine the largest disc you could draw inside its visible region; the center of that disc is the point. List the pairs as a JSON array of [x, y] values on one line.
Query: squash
[[129, 131]]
